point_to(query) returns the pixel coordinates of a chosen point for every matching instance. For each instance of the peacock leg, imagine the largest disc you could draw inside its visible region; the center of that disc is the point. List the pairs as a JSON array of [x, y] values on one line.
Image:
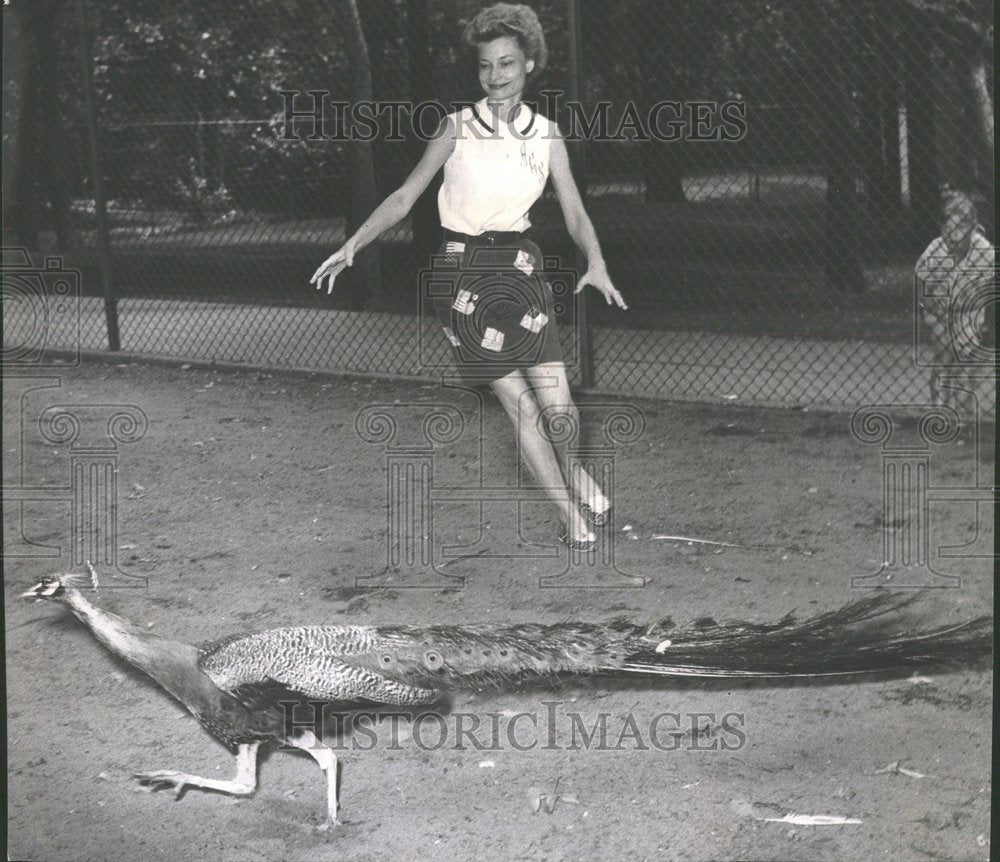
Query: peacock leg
[[243, 784], [327, 760]]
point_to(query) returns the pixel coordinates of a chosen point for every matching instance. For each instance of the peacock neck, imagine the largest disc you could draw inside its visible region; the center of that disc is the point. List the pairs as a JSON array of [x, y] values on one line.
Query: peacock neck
[[166, 661]]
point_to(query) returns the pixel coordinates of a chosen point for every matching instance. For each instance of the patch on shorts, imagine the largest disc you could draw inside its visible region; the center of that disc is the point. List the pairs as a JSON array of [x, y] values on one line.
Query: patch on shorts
[[465, 302], [492, 340], [524, 262], [534, 322], [453, 251], [450, 335]]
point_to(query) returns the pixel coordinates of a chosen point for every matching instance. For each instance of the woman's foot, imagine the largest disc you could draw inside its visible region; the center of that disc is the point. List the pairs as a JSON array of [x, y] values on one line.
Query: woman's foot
[[597, 511], [595, 506], [576, 535]]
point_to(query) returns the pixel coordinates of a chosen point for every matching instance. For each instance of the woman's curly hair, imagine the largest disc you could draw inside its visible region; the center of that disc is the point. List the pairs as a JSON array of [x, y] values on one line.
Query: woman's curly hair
[[510, 19]]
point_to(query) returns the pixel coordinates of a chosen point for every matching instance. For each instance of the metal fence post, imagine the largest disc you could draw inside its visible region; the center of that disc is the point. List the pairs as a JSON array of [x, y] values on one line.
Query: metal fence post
[[100, 208], [574, 25]]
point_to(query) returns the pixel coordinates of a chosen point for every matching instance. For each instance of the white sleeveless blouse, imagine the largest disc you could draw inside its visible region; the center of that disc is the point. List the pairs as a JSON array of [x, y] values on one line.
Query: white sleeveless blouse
[[496, 171]]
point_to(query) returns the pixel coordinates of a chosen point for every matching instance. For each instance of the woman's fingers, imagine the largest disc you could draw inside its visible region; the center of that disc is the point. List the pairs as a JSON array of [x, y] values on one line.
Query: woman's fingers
[[323, 267], [618, 299], [332, 267], [331, 274], [607, 289], [611, 294]]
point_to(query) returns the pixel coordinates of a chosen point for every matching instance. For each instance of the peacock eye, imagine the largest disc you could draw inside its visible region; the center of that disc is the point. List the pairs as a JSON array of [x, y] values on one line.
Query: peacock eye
[[433, 659]]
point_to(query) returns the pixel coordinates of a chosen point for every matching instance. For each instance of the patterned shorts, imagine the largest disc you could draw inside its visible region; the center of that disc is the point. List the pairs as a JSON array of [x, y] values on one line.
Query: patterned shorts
[[495, 307]]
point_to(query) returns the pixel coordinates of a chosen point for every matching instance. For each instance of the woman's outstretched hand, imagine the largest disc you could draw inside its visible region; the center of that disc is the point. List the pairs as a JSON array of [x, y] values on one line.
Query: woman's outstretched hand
[[598, 277], [334, 265]]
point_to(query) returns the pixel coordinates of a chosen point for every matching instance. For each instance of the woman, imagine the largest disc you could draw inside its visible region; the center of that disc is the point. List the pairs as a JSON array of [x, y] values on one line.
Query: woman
[[498, 312]]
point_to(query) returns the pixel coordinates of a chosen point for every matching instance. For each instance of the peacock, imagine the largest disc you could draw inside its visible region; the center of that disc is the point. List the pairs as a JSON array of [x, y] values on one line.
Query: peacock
[[235, 686]]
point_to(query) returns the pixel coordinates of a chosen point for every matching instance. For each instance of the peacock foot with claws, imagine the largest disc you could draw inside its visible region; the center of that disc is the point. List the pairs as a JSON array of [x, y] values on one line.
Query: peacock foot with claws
[[162, 778]]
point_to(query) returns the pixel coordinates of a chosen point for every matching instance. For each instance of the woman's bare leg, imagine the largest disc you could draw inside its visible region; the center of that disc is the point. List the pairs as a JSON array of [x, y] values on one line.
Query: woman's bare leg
[[554, 400], [518, 400]]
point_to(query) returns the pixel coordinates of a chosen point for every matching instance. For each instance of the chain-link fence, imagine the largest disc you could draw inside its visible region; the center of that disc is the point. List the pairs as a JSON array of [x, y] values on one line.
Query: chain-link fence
[[762, 176]]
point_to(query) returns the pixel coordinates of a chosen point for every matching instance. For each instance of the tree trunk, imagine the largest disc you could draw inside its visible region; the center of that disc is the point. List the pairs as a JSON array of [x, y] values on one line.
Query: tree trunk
[[381, 27], [983, 109], [828, 39], [843, 263], [52, 150], [365, 282], [919, 94], [984, 103], [879, 132], [16, 73], [20, 202], [424, 216], [659, 36], [957, 127]]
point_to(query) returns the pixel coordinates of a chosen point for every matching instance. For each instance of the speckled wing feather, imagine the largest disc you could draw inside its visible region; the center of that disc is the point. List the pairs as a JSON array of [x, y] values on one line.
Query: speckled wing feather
[[316, 661]]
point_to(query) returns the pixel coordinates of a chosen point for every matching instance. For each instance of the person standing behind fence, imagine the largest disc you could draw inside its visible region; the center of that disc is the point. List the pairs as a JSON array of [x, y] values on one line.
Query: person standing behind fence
[[497, 156], [956, 285]]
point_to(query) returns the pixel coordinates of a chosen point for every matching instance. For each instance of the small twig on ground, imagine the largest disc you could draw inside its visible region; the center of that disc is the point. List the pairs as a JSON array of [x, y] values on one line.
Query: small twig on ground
[[464, 557], [895, 769], [694, 541], [691, 540], [812, 820]]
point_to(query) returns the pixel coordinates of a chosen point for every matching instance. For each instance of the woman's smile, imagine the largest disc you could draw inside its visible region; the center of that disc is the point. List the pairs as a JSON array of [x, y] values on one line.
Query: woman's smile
[[503, 56]]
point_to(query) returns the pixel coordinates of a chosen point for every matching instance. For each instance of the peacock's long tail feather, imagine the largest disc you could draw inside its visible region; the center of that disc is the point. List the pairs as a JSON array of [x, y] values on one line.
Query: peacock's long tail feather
[[868, 635], [858, 638]]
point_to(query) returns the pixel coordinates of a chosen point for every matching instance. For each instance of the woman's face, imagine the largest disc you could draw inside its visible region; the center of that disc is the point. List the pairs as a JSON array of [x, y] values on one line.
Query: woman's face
[[503, 68]]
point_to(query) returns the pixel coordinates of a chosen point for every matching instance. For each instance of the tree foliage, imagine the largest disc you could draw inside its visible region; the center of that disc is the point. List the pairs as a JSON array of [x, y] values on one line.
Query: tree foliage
[[188, 91]]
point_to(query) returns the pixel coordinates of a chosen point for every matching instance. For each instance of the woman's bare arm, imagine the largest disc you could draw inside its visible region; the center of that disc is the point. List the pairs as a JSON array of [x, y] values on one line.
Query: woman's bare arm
[[579, 225], [393, 209]]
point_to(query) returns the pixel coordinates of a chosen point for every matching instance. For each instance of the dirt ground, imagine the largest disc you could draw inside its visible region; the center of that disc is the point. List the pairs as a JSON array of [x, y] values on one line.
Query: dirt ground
[[252, 502]]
